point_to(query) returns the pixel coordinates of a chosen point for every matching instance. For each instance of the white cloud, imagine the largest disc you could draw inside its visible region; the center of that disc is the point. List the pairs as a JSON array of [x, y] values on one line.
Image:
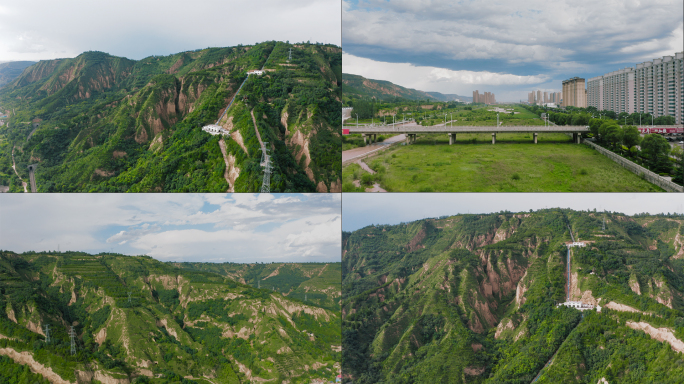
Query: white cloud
[[136, 29], [532, 31], [432, 79], [237, 227]]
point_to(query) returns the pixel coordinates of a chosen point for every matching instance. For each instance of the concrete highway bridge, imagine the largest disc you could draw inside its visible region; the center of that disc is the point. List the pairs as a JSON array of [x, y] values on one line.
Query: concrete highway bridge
[[412, 129]]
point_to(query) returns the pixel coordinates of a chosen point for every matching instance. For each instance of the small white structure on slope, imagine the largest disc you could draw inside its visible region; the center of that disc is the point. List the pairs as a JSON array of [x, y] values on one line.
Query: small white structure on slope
[[257, 72], [214, 129], [577, 244], [580, 305]]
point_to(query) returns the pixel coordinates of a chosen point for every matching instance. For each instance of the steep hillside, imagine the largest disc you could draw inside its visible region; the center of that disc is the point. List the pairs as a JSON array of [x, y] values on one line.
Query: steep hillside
[[360, 87], [108, 124], [11, 70], [472, 298], [137, 319], [317, 283]]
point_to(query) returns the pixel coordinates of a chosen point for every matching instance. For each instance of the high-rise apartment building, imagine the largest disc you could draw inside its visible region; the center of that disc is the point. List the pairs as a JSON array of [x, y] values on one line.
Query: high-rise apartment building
[[486, 98], [546, 98], [574, 93], [530, 97], [654, 87]]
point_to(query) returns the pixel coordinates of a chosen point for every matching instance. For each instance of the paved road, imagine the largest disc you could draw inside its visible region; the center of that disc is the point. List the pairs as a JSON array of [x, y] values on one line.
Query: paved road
[[14, 166], [360, 151]]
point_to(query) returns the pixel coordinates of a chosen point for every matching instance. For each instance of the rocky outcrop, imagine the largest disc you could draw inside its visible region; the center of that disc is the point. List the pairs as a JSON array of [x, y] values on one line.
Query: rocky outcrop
[[26, 358], [660, 334]]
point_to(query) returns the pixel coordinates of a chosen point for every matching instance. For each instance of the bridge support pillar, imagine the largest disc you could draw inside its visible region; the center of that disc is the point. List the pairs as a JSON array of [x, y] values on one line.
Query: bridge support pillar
[[365, 138], [535, 137], [413, 138], [452, 138], [493, 138], [578, 137]]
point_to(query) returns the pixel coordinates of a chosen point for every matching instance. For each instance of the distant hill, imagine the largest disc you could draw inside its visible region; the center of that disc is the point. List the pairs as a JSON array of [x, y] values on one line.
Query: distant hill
[[449, 96], [11, 70], [359, 86], [318, 283]]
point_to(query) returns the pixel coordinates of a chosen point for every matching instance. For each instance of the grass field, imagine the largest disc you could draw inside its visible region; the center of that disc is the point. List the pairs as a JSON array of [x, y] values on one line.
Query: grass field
[[514, 164]]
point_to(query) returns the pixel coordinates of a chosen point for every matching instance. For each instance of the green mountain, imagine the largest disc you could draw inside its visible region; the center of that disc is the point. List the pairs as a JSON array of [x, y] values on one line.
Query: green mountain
[[11, 70], [139, 320], [360, 87], [472, 298], [317, 283], [99, 123]]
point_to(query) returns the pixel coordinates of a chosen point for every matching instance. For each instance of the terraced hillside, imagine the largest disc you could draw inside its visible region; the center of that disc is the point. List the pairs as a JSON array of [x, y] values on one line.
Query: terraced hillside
[[317, 283], [100, 123], [473, 299], [137, 319]]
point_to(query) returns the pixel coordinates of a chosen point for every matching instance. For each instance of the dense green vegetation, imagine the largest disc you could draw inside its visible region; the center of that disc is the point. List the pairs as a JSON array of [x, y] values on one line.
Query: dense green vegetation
[[618, 133], [129, 312], [317, 283], [472, 298], [119, 125]]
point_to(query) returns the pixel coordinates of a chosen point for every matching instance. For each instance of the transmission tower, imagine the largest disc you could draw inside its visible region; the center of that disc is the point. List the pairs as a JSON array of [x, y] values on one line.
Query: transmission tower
[[305, 297], [129, 296], [47, 333], [258, 284], [73, 343], [266, 163], [289, 57], [603, 228]]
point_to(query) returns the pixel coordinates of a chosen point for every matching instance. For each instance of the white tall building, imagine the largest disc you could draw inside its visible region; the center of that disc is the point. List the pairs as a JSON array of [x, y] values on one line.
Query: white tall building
[[654, 87]]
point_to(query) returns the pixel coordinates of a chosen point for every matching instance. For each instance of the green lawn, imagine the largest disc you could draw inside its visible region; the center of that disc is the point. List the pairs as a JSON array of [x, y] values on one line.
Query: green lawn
[[514, 164]]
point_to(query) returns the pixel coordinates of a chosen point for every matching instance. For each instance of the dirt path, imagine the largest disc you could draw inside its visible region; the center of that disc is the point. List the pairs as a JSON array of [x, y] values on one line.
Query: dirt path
[[257, 130], [365, 167], [14, 166]]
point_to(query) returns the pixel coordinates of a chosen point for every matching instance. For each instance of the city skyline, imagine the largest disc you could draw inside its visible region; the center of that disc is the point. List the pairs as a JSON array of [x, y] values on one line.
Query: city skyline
[[508, 48]]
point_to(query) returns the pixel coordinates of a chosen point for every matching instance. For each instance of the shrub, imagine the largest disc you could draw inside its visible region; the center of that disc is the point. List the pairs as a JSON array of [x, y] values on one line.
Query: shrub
[[515, 176]]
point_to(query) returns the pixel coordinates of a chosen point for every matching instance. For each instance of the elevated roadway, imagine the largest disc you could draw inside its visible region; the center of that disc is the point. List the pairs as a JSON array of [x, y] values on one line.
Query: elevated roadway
[[412, 129]]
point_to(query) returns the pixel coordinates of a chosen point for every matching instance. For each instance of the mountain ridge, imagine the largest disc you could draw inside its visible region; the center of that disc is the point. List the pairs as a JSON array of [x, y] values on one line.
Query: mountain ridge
[[136, 318], [107, 123], [359, 86], [477, 296]]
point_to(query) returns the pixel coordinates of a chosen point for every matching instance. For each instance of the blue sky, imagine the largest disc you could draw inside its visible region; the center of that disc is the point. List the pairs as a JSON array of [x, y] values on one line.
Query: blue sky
[[363, 209], [179, 227], [42, 29], [503, 46]]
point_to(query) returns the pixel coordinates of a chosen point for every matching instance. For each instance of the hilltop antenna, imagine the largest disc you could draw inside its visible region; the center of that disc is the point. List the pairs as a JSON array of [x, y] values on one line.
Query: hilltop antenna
[[73, 344], [47, 333]]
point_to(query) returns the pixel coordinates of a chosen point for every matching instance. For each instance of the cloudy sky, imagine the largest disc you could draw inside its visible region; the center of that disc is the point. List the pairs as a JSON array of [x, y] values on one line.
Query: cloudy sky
[[363, 209], [503, 46], [180, 227], [43, 29]]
